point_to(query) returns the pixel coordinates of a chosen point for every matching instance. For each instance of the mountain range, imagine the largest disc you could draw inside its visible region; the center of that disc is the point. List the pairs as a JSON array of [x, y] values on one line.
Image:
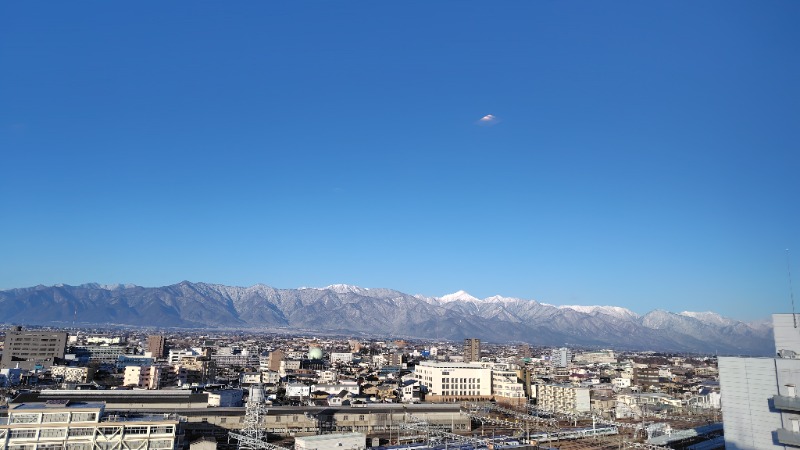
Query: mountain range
[[352, 310]]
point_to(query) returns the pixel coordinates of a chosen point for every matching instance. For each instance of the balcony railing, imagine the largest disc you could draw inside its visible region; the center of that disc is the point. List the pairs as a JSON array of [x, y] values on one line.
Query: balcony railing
[[787, 437], [786, 403]]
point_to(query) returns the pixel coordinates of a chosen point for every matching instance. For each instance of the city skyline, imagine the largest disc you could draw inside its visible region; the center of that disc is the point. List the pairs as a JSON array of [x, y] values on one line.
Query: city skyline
[[624, 154]]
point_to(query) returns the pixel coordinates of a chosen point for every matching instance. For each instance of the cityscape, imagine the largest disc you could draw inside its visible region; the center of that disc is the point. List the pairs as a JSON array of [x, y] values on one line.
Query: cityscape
[[139, 388], [419, 225]]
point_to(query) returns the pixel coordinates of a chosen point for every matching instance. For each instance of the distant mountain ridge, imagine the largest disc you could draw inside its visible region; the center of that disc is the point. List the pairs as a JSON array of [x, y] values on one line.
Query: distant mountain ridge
[[349, 309]]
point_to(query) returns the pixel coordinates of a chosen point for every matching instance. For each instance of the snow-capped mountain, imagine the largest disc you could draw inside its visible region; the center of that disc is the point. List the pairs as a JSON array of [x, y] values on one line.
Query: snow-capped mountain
[[610, 310], [346, 309], [460, 296]]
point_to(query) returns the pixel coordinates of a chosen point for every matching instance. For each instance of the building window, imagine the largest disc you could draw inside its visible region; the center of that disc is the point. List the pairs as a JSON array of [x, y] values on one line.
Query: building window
[[50, 447], [24, 433], [57, 417], [52, 433], [79, 446], [24, 418], [84, 417]]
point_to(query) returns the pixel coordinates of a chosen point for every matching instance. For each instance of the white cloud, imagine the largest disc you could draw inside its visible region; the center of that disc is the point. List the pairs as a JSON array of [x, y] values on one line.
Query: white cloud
[[489, 119]]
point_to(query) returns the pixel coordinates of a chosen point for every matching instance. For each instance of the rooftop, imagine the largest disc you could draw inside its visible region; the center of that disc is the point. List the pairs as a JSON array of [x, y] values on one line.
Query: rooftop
[[332, 437], [49, 405]]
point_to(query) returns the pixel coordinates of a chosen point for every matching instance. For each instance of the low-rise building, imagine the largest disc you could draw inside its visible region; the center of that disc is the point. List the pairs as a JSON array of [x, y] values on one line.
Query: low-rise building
[[69, 374], [225, 398], [563, 398], [344, 441], [84, 426], [340, 358]]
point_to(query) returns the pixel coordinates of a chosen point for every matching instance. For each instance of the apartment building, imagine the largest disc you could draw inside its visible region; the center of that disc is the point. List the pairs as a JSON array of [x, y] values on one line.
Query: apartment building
[[561, 357], [83, 426], [472, 350], [156, 346], [154, 377], [506, 387], [563, 398], [647, 377], [31, 350]]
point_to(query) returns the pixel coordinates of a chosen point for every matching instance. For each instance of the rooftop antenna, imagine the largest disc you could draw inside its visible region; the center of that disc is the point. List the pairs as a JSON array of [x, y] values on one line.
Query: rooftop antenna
[[791, 289]]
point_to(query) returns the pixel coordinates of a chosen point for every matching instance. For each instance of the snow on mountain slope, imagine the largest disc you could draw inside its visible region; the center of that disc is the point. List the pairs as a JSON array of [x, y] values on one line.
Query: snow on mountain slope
[[615, 311], [709, 317], [351, 309], [460, 296]]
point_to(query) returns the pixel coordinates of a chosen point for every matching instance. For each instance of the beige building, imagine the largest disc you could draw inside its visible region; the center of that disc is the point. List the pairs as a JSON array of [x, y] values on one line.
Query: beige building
[[563, 399], [154, 377]]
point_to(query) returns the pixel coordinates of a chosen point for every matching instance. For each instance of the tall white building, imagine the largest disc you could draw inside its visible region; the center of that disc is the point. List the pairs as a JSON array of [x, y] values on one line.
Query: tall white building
[[561, 357], [760, 405]]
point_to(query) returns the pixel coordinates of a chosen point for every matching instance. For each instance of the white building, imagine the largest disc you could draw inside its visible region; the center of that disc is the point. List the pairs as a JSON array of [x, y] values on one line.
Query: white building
[[83, 426], [225, 398], [72, 374], [343, 441], [327, 376], [621, 383], [563, 399], [506, 387], [760, 405], [298, 390], [561, 357], [175, 356], [341, 358], [449, 381], [349, 386]]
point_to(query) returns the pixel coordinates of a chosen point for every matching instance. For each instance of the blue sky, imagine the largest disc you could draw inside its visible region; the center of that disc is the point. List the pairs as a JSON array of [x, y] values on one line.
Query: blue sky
[[644, 154]]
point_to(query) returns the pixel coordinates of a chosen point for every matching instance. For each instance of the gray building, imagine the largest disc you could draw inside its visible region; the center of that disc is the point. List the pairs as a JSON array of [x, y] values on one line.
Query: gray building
[[760, 405], [32, 349]]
